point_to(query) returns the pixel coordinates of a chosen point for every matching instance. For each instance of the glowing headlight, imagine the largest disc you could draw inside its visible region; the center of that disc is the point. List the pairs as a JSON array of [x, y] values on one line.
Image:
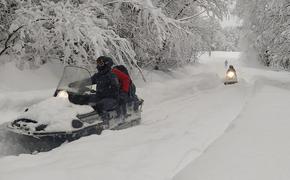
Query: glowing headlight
[[62, 94], [231, 74]]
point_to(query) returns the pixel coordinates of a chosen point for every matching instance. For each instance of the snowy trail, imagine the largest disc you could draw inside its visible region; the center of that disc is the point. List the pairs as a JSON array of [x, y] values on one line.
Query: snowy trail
[[154, 150], [183, 119], [192, 123], [256, 144], [255, 147], [180, 120]]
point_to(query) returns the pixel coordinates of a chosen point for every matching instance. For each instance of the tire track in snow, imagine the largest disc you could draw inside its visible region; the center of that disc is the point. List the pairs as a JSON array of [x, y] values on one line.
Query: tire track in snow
[[258, 145], [182, 102], [152, 150], [194, 153], [252, 90]]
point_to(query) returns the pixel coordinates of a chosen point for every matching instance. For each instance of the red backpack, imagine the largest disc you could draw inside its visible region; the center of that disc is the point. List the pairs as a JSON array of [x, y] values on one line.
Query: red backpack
[[126, 83]]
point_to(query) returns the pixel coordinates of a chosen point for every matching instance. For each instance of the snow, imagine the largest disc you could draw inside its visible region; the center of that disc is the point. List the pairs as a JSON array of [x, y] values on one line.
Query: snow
[[57, 112], [255, 146], [13, 79], [193, 127], [20, 89]]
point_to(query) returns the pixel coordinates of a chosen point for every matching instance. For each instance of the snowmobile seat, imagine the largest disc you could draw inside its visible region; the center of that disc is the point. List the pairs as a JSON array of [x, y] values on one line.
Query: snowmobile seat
[[106, 104], [113, 108]]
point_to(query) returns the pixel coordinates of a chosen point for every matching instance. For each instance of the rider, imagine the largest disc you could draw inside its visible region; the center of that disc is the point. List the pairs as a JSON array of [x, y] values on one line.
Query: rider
[[231, 68], [125, 82], [123, 78], [226, 63], [107, 93]]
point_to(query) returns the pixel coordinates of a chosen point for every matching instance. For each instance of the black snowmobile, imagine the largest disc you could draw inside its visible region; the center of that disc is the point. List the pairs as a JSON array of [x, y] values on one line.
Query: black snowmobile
[[56, 120]]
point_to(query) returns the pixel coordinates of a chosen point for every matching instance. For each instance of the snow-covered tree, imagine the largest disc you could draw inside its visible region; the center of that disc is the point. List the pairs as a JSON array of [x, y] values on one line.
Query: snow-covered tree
[[68, 32], [7, 15], [226, 39], [158, 33], [266, 29], [198, 24]]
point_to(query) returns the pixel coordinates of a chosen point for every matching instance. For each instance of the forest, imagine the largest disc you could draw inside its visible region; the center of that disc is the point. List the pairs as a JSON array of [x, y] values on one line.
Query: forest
[[157, 34]]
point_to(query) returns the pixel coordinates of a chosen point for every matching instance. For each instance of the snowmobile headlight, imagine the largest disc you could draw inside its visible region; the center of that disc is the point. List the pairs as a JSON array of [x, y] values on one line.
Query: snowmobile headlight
[[62, 94], [231, 74]]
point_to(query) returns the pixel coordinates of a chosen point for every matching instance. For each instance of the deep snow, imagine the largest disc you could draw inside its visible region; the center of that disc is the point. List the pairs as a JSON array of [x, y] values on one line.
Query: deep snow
[[185, 111], [256, 145], [55, 111]]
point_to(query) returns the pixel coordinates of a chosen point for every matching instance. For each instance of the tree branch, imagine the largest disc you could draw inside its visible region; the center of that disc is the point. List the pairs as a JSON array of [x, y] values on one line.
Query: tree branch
[[191, 17], [167, 4], [184, 7], [6, 46], [114, 2]]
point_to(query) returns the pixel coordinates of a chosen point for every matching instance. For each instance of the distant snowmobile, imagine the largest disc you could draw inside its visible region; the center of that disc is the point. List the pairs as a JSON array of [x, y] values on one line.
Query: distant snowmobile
[[56, 120], [231, 76]]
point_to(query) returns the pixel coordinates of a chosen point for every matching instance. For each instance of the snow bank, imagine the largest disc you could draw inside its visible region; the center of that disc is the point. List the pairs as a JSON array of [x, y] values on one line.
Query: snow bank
[[13, 79], [20, 89]]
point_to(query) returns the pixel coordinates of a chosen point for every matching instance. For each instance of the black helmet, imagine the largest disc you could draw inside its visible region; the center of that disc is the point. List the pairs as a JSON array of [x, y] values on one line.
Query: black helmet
[[231, 66], [104, 64], [105, 61]]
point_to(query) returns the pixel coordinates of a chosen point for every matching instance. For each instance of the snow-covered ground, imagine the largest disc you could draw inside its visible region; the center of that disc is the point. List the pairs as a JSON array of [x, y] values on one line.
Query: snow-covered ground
[[192, 126], [256, 145]]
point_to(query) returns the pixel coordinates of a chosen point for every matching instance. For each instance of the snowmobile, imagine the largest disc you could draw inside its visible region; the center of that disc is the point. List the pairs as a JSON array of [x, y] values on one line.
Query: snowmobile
[[56, 120], [231, 76]]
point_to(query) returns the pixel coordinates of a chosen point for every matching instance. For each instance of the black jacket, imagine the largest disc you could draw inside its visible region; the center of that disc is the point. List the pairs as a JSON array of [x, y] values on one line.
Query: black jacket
[[107, 84]]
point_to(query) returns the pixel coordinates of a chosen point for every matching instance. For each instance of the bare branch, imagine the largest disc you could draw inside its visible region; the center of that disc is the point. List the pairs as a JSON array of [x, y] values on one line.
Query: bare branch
[[6, 46], [167, 4], [191, 17]]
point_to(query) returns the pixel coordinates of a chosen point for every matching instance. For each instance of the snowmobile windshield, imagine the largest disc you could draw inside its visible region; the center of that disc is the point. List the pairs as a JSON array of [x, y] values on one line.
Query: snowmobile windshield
[[73, 80]]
